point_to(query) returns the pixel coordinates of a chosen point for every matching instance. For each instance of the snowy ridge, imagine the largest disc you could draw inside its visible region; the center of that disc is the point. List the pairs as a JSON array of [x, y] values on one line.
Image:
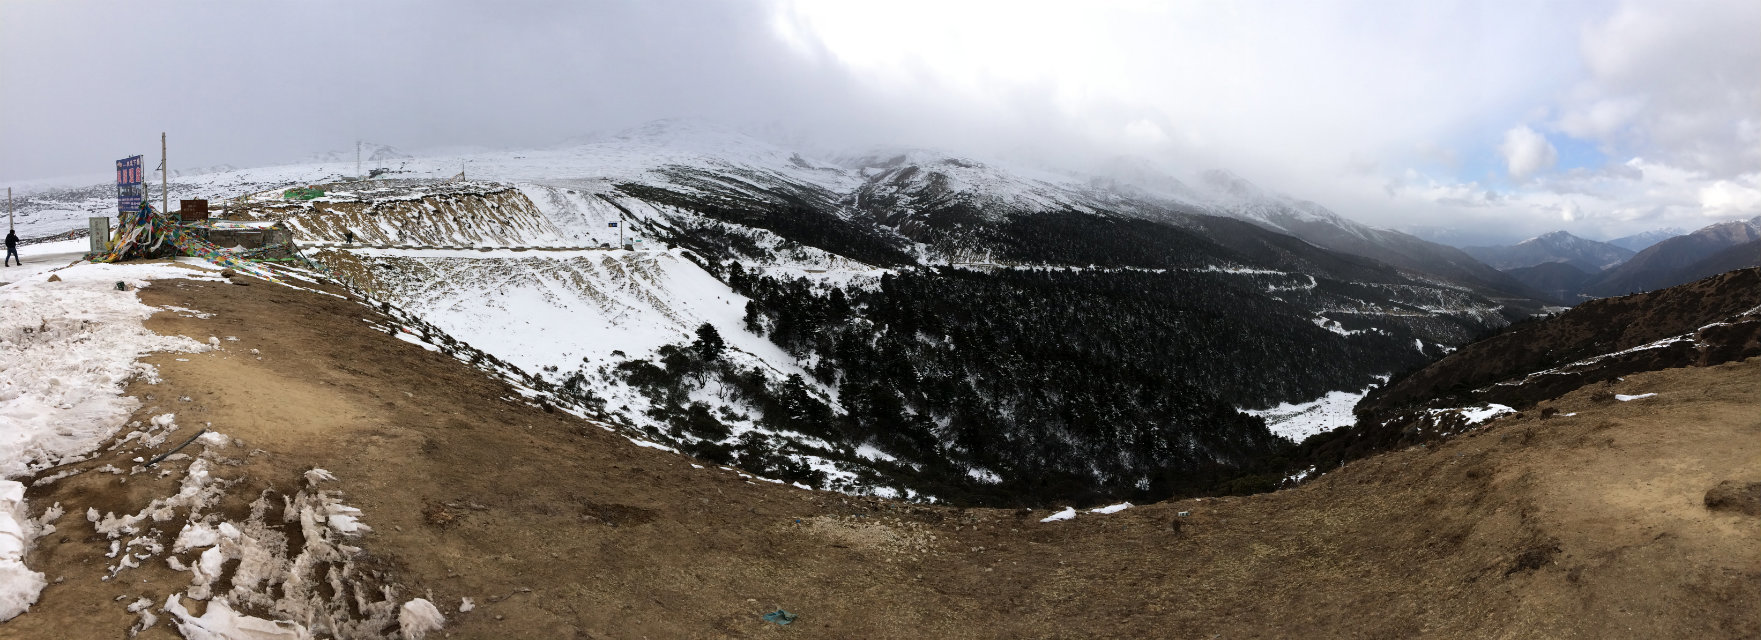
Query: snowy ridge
[[704, 159], [388, 212]]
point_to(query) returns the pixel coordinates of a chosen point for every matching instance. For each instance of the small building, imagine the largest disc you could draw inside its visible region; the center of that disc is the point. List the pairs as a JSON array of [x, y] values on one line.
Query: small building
[[242, 234]]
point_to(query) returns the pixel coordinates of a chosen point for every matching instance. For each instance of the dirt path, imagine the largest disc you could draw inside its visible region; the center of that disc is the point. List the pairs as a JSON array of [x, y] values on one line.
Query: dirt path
[[1583, 526]]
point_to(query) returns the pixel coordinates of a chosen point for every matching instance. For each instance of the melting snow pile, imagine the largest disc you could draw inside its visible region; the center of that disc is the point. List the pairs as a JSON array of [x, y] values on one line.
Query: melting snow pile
[[1066, 514], [1070, 512], [1112, 508], [19, 585], [66, 349]]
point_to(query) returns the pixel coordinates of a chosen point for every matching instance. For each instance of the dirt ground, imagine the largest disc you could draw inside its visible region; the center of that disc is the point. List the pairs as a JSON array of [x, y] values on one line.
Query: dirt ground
[[1590, 525]]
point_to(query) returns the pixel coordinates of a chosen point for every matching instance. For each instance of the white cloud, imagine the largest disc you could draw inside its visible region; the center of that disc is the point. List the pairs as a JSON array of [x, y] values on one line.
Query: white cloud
[[1601, 119], [1732, 198], [1526, 152], [1329, 100], [1677, 80], [1145, 131], [1569, 211]]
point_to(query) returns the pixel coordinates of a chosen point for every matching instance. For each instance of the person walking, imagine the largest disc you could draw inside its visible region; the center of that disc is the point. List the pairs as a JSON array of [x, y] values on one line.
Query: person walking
[[12, 248]]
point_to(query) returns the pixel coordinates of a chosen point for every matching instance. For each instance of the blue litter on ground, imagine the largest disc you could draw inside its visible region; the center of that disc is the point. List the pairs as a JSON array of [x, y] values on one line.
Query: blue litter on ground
[[780, 617]]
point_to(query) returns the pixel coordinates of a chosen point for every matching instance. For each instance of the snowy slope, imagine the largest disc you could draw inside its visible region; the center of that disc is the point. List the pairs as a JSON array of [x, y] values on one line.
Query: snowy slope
[[557, 308], [566, 312]]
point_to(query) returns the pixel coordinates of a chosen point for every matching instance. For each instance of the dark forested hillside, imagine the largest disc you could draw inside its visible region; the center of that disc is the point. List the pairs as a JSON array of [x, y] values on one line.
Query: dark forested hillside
[[1080, 355], [1032, 384]]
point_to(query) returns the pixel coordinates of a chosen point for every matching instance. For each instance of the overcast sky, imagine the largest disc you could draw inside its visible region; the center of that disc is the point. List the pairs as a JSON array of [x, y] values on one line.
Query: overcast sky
[[1500, 118]]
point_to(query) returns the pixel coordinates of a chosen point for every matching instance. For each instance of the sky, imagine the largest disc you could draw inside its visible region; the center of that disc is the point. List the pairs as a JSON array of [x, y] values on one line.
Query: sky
[[1463, 121]]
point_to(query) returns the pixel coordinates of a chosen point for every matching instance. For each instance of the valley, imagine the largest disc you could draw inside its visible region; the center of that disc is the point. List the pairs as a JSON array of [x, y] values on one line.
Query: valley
[[688, 379], [853, 299], [1590, 522]]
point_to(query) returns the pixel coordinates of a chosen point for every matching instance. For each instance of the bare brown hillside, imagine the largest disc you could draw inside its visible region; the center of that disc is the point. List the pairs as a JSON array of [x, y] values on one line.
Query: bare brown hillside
[[1589, 524]]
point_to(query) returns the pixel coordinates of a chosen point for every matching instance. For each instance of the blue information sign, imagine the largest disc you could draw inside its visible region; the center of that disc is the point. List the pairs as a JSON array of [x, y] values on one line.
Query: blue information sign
[[129, 184]]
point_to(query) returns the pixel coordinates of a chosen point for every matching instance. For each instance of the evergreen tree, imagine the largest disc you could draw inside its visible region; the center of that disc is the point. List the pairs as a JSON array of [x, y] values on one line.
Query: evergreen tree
[[709, 344]]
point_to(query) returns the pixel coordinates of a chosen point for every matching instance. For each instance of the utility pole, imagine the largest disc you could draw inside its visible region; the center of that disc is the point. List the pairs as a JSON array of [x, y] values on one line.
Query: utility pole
[[164, 178]]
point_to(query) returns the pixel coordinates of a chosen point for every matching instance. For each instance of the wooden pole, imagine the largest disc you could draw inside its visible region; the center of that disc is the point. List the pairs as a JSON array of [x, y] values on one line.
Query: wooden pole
[[9, 208], [164, 178]]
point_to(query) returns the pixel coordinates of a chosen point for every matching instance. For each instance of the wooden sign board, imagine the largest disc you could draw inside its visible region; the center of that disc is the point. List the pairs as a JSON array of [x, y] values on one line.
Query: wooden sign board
[[189, 210]]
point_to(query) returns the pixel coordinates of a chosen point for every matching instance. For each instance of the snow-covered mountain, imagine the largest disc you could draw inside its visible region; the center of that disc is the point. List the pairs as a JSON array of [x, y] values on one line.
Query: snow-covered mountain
[[369, 152], [1707, 251], [1322, 227], [1589, 256], [868, 304], [1642, 241]]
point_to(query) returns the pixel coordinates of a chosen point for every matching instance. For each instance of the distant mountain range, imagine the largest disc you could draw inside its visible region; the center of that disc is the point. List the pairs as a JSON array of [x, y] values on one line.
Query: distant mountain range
[[1236, 197], [1566, 269], [1711, 250], [1642, 241], [1559, 246], [369, 152]]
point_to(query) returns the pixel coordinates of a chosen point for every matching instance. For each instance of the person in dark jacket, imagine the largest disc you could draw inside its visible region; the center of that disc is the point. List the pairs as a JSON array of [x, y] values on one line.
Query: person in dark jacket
[[12, 248]]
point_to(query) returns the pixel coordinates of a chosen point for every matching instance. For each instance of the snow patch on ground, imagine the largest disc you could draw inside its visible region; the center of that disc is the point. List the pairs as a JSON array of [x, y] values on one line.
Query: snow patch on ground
[[1296, 422], [984, 475], [1477, 415], [1066, 514], [417, 618], [66, 350], [220, 622], [1112, 508], [1626, 398]]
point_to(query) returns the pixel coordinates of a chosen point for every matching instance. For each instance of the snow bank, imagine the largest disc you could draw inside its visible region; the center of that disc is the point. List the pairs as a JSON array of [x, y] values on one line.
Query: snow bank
[[1481, 414], [66, 349], [19, 585]]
